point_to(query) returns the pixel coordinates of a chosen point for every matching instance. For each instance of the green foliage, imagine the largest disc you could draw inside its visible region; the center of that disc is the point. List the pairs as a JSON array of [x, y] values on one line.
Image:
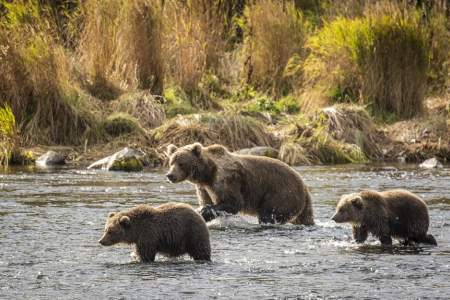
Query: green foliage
[[287, 104], [262, 104], [176, 102], [379, 59], [7, 122], [8, 134]]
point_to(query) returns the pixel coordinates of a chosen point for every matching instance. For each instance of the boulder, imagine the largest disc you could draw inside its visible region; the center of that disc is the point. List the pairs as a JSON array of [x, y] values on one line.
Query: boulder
[[259, 151], [50, 158], [127, 159], [432, 163]]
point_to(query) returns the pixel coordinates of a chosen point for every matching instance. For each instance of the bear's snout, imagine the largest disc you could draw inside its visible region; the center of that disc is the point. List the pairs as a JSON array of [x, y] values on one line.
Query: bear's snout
[[171, 177], [104, 242], [335, 217]]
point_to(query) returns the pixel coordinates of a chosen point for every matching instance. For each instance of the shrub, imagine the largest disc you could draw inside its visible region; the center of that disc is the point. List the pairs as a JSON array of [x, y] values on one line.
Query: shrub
[[378, 59], [273, 33]]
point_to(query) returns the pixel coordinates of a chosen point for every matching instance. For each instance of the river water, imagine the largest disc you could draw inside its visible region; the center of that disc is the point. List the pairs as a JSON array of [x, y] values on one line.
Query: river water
[[51, 220]]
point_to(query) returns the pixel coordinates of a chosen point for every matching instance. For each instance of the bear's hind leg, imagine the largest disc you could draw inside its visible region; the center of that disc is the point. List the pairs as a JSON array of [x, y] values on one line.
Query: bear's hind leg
[[305, 217], [201, 251], [272, 216]]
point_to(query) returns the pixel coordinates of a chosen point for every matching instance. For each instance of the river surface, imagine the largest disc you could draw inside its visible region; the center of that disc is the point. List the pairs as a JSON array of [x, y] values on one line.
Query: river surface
[[51, 220]]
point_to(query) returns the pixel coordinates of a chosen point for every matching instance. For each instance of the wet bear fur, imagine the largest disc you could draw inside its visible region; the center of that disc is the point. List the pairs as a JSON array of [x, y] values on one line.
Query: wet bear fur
[[232, 183], [172, 229], [393, 213]]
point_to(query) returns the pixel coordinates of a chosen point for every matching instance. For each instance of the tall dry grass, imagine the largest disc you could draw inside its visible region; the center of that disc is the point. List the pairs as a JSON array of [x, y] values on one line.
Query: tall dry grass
[[121, 46], [194, 43], [274, 33], [35, 79]]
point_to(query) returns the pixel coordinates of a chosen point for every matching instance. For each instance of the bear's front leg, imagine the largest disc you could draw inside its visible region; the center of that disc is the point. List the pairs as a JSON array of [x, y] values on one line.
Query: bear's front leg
[[360, 233], [208, 212], [386, 240], [229, 200], [145, 252], [203, 196]]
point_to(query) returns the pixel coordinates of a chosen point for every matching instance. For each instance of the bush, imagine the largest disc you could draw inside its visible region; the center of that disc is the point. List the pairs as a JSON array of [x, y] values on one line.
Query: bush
[[273, 33], [378, 59]]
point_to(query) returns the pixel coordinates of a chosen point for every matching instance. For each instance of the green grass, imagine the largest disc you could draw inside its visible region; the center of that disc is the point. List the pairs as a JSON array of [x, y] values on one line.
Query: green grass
[[380, 60]]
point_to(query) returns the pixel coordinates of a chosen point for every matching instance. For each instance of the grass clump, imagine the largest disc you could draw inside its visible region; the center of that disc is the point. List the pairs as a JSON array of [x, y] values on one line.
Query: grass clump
[[120, 123], [142, 106], [293, 154], [273, 33], [232, 130], [337, 134], [380, 59]]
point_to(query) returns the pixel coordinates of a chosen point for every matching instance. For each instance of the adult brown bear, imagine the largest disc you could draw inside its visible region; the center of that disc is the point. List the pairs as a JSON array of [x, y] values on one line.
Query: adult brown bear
[[232, 183]]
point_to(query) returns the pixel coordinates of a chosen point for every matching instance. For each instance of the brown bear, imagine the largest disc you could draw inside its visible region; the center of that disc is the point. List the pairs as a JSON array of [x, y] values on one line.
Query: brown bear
[[393, 213], [232, 183], [171, 229]]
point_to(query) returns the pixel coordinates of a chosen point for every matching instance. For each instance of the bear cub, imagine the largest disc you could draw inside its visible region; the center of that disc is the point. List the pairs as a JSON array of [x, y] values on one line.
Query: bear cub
[[393, 213], [172, 229]]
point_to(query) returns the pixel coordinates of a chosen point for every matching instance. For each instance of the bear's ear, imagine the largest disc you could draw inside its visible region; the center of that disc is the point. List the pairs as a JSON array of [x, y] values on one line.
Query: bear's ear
[[111, 214], [171, 149], [357, 202], [124, 221], [197, 149]]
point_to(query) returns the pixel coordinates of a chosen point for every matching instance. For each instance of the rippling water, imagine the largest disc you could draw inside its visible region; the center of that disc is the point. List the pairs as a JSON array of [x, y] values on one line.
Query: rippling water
[[50, 221]]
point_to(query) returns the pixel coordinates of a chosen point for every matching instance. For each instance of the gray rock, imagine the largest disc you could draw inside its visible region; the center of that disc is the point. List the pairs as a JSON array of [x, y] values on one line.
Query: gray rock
[[432, 163], [50, 158], [127, 159], [259, 151]]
